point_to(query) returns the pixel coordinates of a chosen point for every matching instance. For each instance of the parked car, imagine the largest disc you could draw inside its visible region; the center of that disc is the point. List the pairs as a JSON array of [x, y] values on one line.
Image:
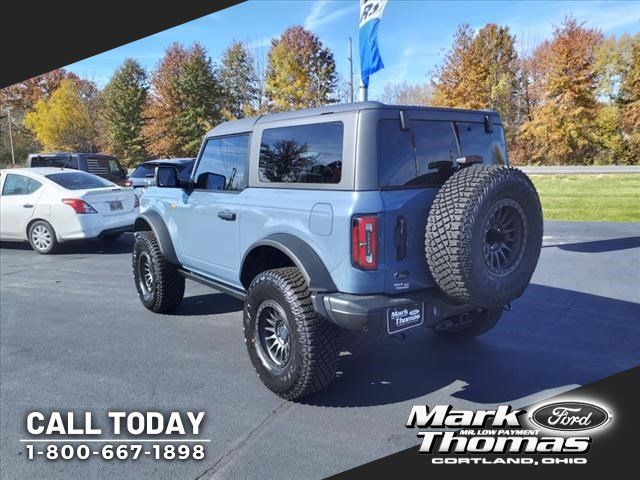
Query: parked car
[[144, 174], [104, 166], [368, 217], [47, 206]]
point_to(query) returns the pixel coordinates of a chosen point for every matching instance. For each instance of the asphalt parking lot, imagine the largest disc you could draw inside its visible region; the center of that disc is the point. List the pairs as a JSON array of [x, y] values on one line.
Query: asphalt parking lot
[[73, 335]]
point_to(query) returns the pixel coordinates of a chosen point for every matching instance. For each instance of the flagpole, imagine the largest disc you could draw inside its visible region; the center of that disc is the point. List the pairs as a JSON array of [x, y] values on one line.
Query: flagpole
[[363, 93]]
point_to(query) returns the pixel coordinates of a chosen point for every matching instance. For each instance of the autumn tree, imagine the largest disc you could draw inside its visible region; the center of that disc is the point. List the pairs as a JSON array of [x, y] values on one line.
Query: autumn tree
[[629, 101], [63, 121], [563, 126], [24, 95], [184, 102], [480, 71], [122, 102], [301, 71], [21, 98], [239, 82], [614, 60], [407, 94]]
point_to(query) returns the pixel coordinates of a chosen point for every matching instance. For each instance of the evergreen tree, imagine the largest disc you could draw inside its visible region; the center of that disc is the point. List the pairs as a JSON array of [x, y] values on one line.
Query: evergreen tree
[[239, 82], [122, 102]]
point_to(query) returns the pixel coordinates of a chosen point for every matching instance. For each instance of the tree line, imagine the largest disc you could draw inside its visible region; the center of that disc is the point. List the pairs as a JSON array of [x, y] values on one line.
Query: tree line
[[573, 99]]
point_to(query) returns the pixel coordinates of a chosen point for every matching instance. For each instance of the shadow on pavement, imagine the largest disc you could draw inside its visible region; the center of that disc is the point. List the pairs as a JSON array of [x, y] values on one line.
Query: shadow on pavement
[[599, 246], [210, 304], [552, 338]]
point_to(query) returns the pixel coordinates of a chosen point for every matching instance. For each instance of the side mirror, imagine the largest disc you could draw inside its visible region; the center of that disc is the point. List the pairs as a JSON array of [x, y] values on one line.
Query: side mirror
[[166, 177], [124, 172], [211, 181]]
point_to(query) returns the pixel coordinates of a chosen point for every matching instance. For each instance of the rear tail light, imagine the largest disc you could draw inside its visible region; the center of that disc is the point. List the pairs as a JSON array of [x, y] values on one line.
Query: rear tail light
[[80, 206], [128, 183], [364, 242]]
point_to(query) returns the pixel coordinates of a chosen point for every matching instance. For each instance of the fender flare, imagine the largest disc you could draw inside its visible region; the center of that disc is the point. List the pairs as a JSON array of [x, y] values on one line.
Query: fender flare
[[303, 256], [156, 224]]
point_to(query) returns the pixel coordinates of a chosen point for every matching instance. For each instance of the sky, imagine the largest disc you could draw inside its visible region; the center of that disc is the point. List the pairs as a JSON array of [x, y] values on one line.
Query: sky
[[413, 34]]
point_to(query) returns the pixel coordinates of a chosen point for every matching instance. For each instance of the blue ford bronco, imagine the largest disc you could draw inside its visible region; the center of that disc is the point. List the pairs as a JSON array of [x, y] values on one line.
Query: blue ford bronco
[[367, 217]]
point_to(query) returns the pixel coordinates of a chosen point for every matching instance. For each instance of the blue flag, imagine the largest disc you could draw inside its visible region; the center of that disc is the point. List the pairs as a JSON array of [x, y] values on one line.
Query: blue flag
[[370, 61]]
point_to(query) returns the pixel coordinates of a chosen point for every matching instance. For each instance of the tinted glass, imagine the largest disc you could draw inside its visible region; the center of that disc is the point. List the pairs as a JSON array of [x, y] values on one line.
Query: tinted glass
[[144, 171], [33, 186], [475, 141], [429, 164], [149, 170], [222, 164], [55, 162], [114, 167], [19, 185], [97, 166], [79, 181], [302, 154]]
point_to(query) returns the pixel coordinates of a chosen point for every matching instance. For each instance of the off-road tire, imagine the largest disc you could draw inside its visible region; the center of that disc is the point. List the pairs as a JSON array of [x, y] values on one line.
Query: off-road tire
[[481, 322], [167, 289], [313, 357], [455, 234], [43, 228]]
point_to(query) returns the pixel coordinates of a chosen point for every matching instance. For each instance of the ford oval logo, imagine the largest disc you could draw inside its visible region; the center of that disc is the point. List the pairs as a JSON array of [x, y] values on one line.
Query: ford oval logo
[[570, 416]]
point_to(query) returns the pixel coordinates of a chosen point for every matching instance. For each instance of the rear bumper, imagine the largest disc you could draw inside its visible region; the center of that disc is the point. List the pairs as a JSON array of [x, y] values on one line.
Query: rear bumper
[[368, 313], [81, 227]]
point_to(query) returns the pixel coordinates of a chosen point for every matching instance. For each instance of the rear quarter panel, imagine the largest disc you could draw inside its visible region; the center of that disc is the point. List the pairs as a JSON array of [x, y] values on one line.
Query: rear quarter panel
[[266, 211]]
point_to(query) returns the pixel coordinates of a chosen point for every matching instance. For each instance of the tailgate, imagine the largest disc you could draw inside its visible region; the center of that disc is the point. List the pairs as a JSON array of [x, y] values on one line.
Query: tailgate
[[110, 201], [405, 221]]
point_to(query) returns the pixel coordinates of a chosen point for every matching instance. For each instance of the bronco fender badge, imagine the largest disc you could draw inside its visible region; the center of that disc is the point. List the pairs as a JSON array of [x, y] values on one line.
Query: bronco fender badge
[[570, 416]]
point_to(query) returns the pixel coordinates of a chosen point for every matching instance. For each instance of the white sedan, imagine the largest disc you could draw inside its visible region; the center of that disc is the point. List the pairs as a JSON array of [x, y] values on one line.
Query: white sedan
[[46, 206]]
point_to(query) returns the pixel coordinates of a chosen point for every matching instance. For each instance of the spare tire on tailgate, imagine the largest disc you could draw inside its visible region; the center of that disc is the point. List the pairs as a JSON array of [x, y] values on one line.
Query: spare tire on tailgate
[[484, 235]]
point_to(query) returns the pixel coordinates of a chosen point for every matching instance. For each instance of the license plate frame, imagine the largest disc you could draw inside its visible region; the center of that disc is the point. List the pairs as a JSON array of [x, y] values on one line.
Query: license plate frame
[[404, 317], [115, 205]]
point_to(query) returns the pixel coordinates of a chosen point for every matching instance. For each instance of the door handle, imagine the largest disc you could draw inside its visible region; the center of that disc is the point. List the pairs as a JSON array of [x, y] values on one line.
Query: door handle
[[227, 215], [28, 205]]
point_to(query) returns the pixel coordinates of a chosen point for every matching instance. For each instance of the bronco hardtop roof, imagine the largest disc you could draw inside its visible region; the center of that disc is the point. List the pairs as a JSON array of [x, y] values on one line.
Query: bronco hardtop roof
[[248, 124]]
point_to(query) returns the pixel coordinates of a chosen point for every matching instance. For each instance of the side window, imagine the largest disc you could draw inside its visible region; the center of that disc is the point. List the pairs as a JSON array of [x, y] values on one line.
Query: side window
[[19, 185], [222, 164], [114, 167], [422, 157], [302, 154], [97, 166], [33, 186], [475, 141]]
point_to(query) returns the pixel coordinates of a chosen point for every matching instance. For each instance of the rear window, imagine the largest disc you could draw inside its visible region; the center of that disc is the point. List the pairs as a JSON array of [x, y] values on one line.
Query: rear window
[[78, 180], [421, 157], [67, 162], [148, 170], [425, 155], [302, 154], [475, 141]]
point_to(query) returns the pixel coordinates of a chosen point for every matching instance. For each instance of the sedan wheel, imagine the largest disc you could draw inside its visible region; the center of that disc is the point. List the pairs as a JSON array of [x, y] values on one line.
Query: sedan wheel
[[42, 237]]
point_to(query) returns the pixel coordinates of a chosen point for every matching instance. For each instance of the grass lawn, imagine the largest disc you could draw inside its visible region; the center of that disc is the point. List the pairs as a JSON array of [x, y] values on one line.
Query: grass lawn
[[600, 198]]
